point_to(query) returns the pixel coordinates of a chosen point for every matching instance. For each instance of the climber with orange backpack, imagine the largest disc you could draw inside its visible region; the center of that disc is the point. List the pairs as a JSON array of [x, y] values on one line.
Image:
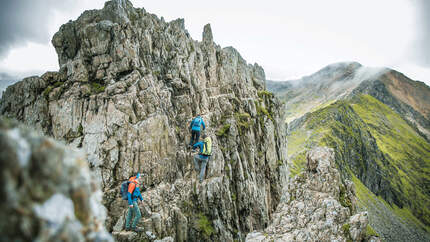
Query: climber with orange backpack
[[130, 191], [195, 126], [203, 156]]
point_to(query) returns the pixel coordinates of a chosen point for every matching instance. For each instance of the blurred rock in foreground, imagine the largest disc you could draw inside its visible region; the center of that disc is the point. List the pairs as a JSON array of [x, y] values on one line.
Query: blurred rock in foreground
[[47, 191]]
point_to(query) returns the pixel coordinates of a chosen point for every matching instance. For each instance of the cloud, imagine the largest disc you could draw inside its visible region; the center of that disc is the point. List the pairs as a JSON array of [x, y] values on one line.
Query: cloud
[[23, 21], [422, 46]]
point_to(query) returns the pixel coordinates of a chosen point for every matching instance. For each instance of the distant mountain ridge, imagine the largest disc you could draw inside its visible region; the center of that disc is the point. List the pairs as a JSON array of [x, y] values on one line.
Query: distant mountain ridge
[[409, 98], [326, 85], [337, 81], [377, 121]]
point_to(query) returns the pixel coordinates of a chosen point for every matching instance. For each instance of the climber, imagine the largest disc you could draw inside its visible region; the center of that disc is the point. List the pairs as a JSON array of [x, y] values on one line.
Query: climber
[[203, 156], [132, 195], [195, 129]]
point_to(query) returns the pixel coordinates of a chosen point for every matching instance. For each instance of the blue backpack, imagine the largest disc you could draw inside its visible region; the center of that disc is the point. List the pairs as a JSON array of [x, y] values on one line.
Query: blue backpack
[[196, 122], [124, 190]]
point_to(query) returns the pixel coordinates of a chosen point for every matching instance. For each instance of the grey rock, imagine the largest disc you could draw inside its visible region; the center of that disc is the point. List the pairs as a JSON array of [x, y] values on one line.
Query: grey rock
[[312, 209], [128, 86], [47, 190], [125, 236], [166, 239]]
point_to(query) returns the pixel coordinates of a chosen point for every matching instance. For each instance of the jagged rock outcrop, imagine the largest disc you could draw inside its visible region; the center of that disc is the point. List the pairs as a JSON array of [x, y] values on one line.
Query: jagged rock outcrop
[[317, 206], [128, 85], [47, 191]]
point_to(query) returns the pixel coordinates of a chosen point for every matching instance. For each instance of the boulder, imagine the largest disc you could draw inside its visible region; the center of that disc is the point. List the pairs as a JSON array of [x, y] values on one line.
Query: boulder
[[47, 190]]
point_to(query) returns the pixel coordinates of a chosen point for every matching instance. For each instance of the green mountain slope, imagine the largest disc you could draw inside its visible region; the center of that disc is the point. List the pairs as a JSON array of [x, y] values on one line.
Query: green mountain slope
[[376, 145], [378, 122]]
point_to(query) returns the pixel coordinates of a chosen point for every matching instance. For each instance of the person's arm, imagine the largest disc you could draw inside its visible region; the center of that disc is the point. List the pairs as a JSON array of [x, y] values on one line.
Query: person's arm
[[198, 145], [203, 123], [130, 191]]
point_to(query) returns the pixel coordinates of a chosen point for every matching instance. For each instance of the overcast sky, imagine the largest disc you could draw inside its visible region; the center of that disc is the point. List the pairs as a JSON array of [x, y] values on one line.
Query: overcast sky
[[288, 38]]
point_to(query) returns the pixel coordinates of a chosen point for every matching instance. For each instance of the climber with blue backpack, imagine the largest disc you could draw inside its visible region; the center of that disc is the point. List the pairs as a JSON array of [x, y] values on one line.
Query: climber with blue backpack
[[130, 191], [195, 127], [203, 156]]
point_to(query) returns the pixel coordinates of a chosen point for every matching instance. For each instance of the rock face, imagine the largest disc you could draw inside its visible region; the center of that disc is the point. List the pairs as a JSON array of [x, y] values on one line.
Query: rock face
[[317, 206], [129, 84], [47, 191]]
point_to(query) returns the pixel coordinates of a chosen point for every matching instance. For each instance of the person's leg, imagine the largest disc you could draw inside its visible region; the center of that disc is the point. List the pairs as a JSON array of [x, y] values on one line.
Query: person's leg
[[137, 215], [196, 163], [203, 169], [194, 137], [128, 218], [197, 137]]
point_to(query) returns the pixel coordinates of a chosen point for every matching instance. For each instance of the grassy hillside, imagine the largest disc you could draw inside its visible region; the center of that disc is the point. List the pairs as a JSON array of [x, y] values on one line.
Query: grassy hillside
[[407, 152], [394, 223], [377, 146]]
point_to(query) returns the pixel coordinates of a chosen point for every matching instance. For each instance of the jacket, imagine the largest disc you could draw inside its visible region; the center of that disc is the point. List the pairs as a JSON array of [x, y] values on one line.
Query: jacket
[[133, 191], [196, 123]]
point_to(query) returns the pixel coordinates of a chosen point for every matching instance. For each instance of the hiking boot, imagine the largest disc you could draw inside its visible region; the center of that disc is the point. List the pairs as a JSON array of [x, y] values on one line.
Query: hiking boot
[[137, 230]]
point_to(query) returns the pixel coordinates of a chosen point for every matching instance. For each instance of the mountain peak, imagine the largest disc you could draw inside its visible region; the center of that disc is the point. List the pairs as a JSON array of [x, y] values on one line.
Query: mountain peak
[[332, 70], [343, 65]]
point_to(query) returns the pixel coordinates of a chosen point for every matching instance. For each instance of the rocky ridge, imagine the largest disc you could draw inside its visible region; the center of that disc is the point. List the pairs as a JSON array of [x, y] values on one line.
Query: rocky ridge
[[47, 190], [128, 85], [317, 206]]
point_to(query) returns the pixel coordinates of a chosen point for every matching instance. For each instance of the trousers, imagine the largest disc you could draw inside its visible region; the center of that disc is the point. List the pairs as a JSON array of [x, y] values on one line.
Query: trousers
[[134, 211], [201, 167]]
